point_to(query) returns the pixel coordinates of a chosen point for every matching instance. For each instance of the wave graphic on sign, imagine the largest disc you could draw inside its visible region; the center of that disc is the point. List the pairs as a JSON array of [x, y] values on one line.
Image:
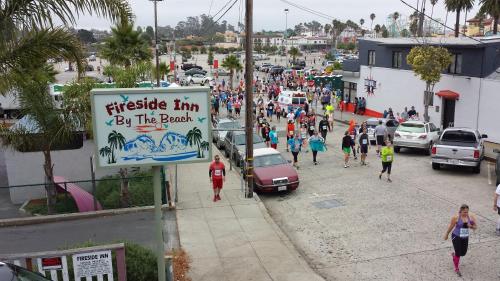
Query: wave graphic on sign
[[144, 147]]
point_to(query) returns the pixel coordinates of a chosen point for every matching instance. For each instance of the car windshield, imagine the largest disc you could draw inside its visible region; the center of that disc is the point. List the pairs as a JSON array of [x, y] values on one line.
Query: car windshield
[[372, 124], [411, 128], [269, 160], [21, 274], [459, 136], [229, 125], [240, 139]]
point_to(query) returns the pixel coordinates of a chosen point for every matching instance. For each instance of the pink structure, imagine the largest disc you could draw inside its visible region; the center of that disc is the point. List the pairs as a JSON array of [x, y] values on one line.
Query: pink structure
[[84, 200]]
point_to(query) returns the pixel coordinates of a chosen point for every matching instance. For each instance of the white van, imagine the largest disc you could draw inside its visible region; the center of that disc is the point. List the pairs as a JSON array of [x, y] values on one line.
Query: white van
[[294, 98]]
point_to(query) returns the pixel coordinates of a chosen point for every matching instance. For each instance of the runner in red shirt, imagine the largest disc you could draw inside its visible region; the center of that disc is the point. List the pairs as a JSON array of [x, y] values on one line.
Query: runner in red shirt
[[217, 175]]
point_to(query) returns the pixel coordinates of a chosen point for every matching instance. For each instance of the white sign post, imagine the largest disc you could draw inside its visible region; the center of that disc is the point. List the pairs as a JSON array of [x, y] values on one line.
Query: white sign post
[[152, 127], [92, 264]]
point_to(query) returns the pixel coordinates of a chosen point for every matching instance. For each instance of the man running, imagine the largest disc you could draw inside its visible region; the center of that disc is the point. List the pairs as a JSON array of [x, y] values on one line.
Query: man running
[[324, 127], [217, 175], [380, 134], [363, 144], [346, 148], [387, 158], [270, 110], [273, 135]]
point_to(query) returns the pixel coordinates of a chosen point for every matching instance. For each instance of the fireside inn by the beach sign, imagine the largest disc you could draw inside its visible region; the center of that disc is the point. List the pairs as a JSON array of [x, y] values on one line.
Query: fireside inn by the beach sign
[[137, 127]]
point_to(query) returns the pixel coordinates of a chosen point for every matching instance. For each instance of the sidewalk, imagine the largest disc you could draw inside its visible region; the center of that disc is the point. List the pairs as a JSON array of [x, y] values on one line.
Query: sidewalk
[[235, 238]]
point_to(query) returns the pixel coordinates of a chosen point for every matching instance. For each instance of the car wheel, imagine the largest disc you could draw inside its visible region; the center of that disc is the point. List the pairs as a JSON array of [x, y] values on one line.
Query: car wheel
[[436, 166], [477, 169], [397, 149], [429, 149], [191, 82]]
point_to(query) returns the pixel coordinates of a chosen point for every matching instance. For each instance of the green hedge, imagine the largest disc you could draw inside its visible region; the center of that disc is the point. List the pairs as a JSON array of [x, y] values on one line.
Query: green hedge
[[140, 190]]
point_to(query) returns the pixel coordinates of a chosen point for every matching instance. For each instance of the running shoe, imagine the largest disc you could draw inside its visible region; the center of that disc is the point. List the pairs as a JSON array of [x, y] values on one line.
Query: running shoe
[[389, 180], [458, 272], [215, 198], [345, 166], [380, 176], [218, 197]]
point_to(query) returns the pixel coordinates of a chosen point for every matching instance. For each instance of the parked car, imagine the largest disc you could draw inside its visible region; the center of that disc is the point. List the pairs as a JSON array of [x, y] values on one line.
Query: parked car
[[92, 58], [276, 70], [194, 71], [459, 147], [371, 123], [265, 67], [301, 64], [188, 66], [219, 136], [235, 145], [416, 134], [198, 79], [13, 272], [89, 67], [272, 172], [260, 67], [222, 72]]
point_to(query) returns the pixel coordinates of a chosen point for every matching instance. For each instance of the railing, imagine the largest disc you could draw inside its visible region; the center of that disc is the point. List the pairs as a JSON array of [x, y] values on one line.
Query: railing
[[55, 264]]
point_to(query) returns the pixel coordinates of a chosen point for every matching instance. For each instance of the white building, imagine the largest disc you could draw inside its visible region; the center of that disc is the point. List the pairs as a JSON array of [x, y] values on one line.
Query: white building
[[468, 94]]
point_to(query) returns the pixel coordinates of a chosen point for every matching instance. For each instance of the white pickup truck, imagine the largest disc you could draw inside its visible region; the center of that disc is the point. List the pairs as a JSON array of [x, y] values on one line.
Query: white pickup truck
[[459, 147]]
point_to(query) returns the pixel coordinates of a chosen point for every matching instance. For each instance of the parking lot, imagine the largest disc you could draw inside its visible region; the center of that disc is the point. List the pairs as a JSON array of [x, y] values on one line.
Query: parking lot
[[352, 226]]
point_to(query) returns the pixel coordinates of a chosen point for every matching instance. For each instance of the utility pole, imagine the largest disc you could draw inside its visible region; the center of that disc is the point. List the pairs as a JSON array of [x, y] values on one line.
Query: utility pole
[[421, 19], [157, 46], [286, 34], [249, 95]]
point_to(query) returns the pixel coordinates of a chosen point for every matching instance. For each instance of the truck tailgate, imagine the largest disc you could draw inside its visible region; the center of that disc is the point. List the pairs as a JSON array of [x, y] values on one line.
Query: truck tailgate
[[455, 152]]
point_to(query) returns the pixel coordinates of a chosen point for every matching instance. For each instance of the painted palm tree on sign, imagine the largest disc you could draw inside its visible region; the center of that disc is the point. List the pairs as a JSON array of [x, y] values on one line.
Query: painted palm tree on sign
[[204, 147], [231, 63], [195, 137], [458, 6], [105, 152], [491, 7], [116, 141]]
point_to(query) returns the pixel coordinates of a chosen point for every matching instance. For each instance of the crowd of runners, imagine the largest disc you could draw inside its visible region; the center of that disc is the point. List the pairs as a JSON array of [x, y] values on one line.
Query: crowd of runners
[[307, 128]]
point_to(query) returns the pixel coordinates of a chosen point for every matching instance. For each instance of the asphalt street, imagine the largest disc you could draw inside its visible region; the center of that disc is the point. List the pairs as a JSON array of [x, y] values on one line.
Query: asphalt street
[[137, 228], [352, 226]]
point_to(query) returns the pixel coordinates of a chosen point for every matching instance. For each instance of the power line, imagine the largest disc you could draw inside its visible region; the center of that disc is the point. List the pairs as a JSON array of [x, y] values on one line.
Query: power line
[[226, 11], [311, 11], [210, 9], [223, 7]]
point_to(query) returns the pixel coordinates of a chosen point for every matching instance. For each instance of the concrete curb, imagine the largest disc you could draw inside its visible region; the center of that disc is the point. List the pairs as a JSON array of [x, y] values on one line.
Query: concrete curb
[[75, 216]]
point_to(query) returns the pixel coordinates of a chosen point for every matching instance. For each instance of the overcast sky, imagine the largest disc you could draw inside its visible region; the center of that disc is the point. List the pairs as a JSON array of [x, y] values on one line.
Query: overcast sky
[[269, 14]]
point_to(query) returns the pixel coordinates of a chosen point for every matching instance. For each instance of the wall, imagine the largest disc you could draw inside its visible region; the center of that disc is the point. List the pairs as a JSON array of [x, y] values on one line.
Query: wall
[[27, 168], [489, 104]]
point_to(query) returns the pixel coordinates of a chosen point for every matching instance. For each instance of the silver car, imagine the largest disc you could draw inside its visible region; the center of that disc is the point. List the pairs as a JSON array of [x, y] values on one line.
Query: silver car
[[235, 146], [371, 123], [219, 136], [416, 134]]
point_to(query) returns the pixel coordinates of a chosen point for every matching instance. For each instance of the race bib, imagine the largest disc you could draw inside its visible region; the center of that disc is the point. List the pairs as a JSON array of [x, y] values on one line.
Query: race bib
[[270, 108], [365, 141], [290, 133], [464, 233], [311, 128], [325, 127], [218, 173], [389, 158]]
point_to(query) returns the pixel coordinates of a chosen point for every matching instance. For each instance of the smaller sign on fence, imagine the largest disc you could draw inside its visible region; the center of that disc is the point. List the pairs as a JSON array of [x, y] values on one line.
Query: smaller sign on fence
[[93, 264], [51, 263]]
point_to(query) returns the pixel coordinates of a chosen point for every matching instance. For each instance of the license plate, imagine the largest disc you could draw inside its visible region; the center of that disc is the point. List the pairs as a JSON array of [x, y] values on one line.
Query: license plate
[[282, 188], [453, 161], [409, 137]]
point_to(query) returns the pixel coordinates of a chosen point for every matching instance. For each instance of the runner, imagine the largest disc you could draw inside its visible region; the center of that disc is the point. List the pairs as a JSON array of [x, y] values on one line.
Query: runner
[[316, 143], [303, 135], [270, 110], [346, 148], [265, 133], [352, 132], [295, 144], [363, 144], [273, 135], [496, 207], [387, 158], [380, 134], [217, 175], [237, 108], [460, 224], [278, 112], [290, 132], [324, 127]]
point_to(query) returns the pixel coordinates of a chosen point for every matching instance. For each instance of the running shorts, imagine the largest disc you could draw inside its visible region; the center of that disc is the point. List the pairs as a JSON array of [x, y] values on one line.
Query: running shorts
[[217, 183], [347, 150], [364, 148], [380, 140]]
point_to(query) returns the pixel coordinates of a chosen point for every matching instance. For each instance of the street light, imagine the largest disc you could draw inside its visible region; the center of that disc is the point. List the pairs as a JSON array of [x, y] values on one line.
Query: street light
[[286, 33]]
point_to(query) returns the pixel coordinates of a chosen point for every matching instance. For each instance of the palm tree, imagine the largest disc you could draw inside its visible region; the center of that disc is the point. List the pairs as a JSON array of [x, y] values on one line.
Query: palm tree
[[28, 31], [372, 18], [194, 137], [232, 64], [116, 141], [204, 147], [457, 6], [377, 29], [433, 3], [105, 152], [395, 17], [29, 37], [164, 69], [294, 52], [125, 46], [491, 7], [361, 22]]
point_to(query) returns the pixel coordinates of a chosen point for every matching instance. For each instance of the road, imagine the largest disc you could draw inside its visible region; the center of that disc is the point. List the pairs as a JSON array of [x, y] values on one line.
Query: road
[[352, 226], [138, 228]]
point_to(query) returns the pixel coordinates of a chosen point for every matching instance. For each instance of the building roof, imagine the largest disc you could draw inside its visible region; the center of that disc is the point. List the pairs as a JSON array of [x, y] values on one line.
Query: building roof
[[443, 41]]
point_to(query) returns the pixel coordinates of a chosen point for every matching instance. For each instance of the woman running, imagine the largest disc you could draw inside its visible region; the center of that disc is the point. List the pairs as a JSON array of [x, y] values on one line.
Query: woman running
[[317, 143], [460, 224], [295, 144], [346, 148], [387, 155]]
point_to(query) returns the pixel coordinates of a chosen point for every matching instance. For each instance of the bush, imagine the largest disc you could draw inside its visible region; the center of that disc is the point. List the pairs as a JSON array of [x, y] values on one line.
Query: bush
[[140, 190], [65, 204]]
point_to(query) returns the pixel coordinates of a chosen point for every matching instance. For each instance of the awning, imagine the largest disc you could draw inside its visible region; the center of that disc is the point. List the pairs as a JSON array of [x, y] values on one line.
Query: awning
[[448, 95]]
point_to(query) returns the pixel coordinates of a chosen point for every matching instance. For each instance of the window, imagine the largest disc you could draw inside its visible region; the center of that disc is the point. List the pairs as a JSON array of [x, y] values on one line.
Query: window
[[371, 57], [433, 127], [397, 59], [456, 64]]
